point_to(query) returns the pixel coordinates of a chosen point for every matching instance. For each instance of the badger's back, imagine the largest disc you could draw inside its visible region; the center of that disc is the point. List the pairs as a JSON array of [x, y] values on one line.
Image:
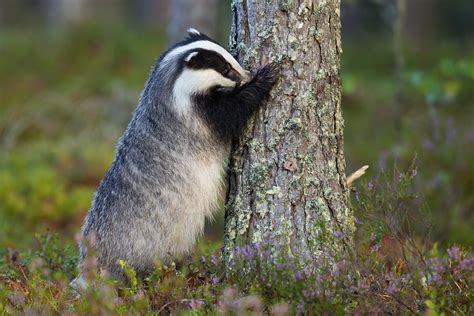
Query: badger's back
[[154, 199]]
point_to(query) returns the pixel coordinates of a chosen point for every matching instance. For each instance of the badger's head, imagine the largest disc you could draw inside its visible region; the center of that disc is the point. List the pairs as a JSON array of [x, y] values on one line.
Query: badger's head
[[202, 67]]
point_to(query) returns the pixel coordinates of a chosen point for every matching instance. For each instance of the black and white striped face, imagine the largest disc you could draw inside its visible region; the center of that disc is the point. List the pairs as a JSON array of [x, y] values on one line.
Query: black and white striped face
[[206, 66], [214, 69]]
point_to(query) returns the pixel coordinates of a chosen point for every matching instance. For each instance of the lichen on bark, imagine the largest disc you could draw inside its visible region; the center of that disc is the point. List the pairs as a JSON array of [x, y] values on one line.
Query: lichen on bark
[[287, 172]]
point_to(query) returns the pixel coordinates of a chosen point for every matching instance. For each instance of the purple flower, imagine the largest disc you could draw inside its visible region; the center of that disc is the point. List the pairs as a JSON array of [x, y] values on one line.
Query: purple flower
[[428, 144], [299, 275], [467, 264], [376, 247], [195, 303], [391, 289], [215, 260], [215, 280], [370, 185], [436, 265], [393, 282], [362, 286], [338, 234], [414, 172], [245, 251], [454, 253], [299, 308], [373, 237], [435, 278], [407, 276]]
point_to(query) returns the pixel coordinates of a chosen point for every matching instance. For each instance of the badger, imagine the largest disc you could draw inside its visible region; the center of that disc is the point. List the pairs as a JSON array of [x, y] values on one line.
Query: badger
[[169, 165]]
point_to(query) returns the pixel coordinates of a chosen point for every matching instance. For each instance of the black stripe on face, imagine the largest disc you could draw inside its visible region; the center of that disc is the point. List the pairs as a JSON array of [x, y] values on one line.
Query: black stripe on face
[[208, 59]]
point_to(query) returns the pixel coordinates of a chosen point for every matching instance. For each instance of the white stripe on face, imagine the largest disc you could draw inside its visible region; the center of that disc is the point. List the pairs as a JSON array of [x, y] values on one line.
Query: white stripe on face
[[209, 46], [192, 81]]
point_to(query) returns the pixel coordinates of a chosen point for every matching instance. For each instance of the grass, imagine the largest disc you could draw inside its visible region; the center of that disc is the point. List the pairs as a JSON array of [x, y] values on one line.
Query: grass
[[66, 98]]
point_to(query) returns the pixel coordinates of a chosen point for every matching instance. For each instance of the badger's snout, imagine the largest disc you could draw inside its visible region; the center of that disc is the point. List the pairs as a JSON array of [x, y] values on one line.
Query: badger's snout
[[240, 78], [243, 78], [247, 76]]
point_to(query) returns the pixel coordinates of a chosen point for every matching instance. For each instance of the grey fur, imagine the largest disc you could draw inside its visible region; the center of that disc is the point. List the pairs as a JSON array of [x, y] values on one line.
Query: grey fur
[[162, 185], [147, 191]]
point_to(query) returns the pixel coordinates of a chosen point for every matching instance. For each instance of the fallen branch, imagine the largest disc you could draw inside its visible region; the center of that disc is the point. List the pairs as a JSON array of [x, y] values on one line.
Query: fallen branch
[[356, 175]]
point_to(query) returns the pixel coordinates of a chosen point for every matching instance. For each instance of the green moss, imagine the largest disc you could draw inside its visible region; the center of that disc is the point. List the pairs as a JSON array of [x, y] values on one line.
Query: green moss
[[285, 5], [293, 123], [266, 33], [276, 191], [258, 174], [261, 204]]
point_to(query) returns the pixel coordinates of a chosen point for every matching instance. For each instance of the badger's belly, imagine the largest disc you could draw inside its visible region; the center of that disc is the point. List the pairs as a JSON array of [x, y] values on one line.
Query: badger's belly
[[205, 191], [181, 215]]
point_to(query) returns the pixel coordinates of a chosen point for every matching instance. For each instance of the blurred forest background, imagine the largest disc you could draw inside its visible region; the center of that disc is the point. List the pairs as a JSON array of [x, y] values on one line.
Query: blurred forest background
[[71, 72]]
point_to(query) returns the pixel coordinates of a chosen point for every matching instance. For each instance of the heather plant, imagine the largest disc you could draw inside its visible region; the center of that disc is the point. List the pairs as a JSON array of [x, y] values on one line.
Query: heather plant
[[391, 265], [391, 271]]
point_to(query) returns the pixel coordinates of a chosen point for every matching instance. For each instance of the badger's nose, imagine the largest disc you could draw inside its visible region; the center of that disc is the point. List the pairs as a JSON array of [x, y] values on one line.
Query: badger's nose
[[248, 75]]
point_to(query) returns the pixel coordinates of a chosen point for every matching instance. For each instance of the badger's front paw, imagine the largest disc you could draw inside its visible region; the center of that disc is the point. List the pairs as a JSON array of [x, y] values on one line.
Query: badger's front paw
[[268, 74], [264, 79]]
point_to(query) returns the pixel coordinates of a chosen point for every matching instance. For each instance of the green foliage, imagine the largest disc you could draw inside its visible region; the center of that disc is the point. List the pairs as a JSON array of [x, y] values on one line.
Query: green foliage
[[432, 119], [449, 80], [57, 257], [85, 61], [131, 277], [36, 195]]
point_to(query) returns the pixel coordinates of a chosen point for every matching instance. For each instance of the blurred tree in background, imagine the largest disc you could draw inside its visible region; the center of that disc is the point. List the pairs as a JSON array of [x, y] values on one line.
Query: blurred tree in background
[[201, 15]]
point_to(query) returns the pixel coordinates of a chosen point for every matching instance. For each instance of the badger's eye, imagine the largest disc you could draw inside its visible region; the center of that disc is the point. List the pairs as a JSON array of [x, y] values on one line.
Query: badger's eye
[[227, 70]]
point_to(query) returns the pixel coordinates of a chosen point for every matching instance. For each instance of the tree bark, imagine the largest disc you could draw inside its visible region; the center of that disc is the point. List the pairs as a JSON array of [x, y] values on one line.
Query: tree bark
[[287, 173]]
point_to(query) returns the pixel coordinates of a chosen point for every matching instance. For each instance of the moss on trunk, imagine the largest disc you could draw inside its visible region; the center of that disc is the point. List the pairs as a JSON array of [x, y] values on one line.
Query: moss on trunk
[[287, 173]]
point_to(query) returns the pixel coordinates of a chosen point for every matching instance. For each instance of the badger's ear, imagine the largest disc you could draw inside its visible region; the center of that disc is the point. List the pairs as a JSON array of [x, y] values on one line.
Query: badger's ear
[[193, 31], [193, 34], [195, 60], [189, 58]]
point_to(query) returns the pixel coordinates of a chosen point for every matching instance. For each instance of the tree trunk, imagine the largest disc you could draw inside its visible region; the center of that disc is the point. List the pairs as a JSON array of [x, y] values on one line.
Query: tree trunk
[[287, 173]]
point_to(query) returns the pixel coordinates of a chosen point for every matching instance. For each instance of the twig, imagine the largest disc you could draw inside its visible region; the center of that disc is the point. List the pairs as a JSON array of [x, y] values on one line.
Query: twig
[[356, 175]]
